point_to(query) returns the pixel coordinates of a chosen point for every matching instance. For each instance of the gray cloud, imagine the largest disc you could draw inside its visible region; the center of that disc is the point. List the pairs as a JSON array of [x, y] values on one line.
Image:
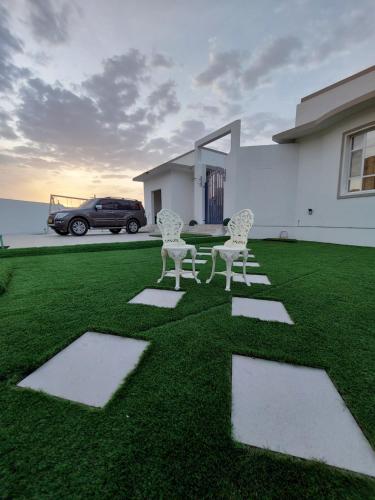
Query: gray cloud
[[259, 128], [116, 88], [10, 45], [230, 72], [205, 109], [6, 130], [160, 149], [188, 133], [351, 30], [54, 115], [232, 110], [115, 176], [277, 54], [103, 123], [164, 101], [220, 64], [183, 138], [161, 61], [48, 22]]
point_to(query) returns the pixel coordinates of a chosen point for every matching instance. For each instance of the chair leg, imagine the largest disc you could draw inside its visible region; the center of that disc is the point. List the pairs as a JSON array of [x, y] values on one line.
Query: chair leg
[[228, 262], [193, 255], [213, 254], [177, 266], [245, 253], [164, 259]]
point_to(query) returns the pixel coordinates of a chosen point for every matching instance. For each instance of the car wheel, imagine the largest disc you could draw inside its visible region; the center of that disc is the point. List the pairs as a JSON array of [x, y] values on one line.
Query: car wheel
[[132, 226], [60, 232], [115, 230], [78, 227]]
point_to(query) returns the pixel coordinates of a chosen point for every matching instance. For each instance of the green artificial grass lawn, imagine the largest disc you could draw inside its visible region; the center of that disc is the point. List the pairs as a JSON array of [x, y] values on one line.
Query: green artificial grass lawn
[[166, 433]]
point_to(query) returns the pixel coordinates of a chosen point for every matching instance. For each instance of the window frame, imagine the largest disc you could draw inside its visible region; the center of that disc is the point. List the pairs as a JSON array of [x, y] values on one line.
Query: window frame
[[345, 163]]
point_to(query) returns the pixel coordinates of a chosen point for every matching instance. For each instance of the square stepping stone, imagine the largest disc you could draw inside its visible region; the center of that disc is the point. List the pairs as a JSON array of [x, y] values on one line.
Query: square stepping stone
[[158, 298], [259, 279], [205, 248], [89, 370], [266, 310], [204, 253], [197, 261], [296, 410], [248, 264], [185, 274]]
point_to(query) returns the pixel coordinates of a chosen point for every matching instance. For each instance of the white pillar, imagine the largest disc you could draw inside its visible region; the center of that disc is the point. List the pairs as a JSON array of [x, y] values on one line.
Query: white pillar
[[231, 162], [199, 181], [232, 180]]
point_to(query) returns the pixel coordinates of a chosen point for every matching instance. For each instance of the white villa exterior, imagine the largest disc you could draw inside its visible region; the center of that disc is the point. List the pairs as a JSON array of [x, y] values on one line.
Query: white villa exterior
[[317, 183]]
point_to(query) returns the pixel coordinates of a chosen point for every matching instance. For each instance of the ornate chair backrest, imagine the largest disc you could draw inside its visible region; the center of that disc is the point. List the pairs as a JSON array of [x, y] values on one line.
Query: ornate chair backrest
[[170, 225], [239, 227]]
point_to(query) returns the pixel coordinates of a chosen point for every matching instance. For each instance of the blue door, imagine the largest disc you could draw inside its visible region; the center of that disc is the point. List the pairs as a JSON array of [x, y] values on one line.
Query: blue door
[[214, 196]]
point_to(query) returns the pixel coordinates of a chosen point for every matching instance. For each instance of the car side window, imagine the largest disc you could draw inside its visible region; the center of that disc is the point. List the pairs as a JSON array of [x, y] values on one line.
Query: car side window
[[109, 205], [128, 205]]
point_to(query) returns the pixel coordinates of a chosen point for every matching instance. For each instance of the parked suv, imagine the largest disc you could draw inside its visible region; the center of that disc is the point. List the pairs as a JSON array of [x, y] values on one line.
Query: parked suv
[[110, 213]]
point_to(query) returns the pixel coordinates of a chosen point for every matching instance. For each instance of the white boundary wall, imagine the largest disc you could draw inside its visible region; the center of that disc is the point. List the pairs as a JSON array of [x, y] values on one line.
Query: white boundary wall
[[23, 217]]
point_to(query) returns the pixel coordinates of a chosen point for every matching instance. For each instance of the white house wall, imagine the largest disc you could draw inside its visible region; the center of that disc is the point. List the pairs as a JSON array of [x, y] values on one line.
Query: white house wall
[[213, 158], [182, 189], [346, 220], [266, 183], [162, 182], [23, 217], [176, 193]]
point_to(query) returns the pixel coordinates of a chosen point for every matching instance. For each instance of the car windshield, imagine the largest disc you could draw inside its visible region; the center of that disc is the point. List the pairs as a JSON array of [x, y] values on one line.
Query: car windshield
[[85, 204]]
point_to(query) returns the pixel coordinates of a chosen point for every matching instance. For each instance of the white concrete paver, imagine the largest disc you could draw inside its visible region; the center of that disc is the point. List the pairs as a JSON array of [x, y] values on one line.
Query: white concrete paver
[[158, 298], [89, 370], [258, 279], [266, 310], [296, 410], [53, 240], [248, 264], [185, 274], [197, 261]]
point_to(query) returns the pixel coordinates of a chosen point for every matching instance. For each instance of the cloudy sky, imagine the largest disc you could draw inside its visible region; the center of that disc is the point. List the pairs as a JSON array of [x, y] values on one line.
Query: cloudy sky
[[92, 92]]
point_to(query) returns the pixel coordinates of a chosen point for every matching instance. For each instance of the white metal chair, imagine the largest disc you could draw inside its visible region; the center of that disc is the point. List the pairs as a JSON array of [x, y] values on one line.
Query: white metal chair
[[170, 225], [236, 247]]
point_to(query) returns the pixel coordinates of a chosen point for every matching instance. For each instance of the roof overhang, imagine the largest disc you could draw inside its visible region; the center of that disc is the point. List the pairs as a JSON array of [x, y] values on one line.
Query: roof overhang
[[326, 120], [163, 169], [172, 164]]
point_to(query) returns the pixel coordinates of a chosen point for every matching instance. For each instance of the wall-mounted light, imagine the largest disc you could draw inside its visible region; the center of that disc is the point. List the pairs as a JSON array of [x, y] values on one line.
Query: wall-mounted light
[[310, 211]]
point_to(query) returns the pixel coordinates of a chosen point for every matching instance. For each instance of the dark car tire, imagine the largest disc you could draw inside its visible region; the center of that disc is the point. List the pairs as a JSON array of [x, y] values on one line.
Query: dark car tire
[[78, 226], [132, 226], [115, 230], [60, 232]]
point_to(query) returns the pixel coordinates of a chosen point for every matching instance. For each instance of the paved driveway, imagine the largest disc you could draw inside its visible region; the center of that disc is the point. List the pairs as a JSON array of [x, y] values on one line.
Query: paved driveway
[[54, 240]]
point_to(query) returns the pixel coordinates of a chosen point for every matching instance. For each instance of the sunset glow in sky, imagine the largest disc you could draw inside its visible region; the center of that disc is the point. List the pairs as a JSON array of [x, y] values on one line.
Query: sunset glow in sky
[[94, 92]]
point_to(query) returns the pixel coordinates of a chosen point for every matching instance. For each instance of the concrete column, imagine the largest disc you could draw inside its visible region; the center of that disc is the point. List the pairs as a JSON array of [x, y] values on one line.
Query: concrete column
[[231, 162], [199, 180], [232, 179]]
